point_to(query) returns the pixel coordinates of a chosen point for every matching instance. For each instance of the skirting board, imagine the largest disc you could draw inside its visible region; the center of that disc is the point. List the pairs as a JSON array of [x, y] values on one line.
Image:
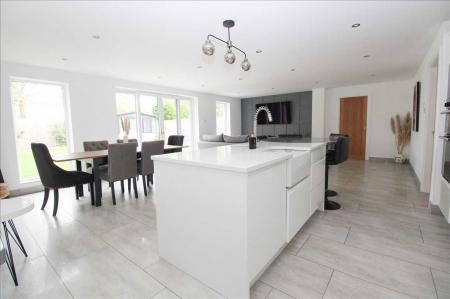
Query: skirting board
[[435, 210], [25, 191]]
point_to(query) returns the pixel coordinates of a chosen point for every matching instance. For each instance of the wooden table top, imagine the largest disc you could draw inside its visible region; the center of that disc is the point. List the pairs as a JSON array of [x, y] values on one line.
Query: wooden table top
[[100, 154]]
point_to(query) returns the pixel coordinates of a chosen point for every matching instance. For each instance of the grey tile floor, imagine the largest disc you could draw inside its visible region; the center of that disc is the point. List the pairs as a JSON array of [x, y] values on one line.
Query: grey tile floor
[[383, 243]]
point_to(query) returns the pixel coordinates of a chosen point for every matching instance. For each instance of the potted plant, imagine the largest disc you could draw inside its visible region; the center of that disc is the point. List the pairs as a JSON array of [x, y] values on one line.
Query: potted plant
[[125, 123], [401, 128]]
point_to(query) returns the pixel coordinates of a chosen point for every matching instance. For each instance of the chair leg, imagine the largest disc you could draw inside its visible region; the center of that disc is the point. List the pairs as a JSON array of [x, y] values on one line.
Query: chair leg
[[148, 180], [91, 188], [129, 185], [135, 188], [144, 184], [122, 186], [113, 193], [56, 199], [77, 195], [46, 194]]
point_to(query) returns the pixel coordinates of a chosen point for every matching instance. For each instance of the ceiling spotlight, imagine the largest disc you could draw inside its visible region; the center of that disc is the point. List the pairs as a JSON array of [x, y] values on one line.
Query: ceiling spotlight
[[208, 47], [356, 25], [366, 56], [372, 75], [199, 66], [273, 87], [292, 70], [258, 51], [64, 59], [240, 79], [96, 36]]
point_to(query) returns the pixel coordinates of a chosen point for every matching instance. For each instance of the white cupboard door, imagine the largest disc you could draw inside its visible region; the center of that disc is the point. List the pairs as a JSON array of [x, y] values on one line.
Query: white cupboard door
[[318, 197], [317, 173], [298, 207]]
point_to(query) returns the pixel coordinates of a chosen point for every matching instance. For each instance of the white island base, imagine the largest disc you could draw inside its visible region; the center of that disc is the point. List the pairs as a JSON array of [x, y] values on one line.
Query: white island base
[[222, 213]]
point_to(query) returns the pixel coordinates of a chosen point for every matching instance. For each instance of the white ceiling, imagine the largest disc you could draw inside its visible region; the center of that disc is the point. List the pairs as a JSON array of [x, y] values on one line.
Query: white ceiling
[[160, 42]]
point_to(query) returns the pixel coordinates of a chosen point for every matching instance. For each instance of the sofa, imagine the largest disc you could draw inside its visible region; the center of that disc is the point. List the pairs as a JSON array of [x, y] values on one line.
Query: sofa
[[220, 140]]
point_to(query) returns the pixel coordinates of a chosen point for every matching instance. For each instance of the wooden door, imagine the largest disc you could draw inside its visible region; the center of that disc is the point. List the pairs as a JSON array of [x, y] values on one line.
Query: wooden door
[[353, 116]]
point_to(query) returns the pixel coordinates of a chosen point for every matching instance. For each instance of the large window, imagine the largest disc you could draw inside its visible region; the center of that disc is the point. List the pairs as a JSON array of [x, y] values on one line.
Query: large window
[[39, 110], [223, 124], [153, 116]]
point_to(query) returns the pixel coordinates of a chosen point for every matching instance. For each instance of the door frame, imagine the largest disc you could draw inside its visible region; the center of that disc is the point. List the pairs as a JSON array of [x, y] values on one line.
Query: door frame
[[365, 107]]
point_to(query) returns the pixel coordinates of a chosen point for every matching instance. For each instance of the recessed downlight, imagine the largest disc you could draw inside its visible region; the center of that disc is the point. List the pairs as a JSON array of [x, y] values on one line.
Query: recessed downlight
[[356, 25], [96, 36], [199, 66], [258, 51], [366, 56], [240, 79], [273, 87], [64, 59], [372, 75], [292, 69]]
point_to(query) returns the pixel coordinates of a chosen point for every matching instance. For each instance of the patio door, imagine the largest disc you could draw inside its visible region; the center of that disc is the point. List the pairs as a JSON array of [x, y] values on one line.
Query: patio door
[[177, 118]]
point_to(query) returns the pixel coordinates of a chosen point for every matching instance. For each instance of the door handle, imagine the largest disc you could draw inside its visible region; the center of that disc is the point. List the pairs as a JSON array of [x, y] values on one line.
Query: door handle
[[445, 138]]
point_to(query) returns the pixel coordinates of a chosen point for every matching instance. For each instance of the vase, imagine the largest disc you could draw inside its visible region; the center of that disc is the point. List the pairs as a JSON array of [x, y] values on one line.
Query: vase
[[399, 158], [125, 138]]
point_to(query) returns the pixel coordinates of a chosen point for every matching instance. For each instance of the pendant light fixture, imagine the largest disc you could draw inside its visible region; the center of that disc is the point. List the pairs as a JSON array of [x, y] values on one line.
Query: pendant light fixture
[[209, 48]]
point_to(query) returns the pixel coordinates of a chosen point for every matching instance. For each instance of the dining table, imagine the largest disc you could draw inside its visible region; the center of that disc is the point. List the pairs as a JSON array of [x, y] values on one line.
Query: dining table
[[95, 158]]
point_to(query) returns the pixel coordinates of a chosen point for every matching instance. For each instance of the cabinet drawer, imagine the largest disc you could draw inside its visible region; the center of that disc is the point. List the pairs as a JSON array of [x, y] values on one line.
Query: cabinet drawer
[[298, 207], [317, 197], [318, 154], [317, 173]]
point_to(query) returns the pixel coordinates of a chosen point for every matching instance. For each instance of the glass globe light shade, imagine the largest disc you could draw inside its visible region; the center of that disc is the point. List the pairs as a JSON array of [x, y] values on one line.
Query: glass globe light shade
[[208, 48], [230, 57], [245, 64]]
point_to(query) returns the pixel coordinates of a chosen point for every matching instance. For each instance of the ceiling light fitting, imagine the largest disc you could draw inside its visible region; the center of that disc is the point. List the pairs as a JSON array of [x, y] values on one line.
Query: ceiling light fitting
[[356, 25], [209, 48]]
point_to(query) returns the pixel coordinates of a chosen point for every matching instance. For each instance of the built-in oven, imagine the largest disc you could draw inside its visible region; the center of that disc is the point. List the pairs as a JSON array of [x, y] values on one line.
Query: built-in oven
[[446, 139]]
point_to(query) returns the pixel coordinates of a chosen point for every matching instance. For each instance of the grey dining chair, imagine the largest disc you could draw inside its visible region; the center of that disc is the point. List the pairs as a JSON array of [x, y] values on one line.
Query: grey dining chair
[[135, 141], [122, 165], [129, 140], [95, 145], [145, 165]]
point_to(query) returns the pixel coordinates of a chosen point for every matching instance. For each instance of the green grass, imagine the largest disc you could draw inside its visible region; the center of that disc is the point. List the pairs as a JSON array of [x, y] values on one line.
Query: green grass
[[28, 170]]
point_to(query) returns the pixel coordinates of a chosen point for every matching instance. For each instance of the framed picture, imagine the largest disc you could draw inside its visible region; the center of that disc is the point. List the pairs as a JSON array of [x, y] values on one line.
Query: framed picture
[[416, 107]]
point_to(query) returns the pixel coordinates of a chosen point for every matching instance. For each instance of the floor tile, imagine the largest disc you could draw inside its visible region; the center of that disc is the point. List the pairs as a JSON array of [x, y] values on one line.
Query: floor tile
[[403, 277], [297, 277], [137, 242], [276, 294], [165, 294], [442, 282], [67, 242], [107, 274], [344, 286], [259, 290], [414, 252], [182, 284], [37, 279]]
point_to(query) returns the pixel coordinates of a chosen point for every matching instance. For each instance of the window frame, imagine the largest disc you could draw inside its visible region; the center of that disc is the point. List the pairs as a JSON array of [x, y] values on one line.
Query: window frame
[[67, 118], [159, 96]]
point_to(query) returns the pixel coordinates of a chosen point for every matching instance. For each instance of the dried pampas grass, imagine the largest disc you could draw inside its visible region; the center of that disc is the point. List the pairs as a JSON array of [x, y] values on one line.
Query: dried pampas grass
[[401, 128], [125, 123]]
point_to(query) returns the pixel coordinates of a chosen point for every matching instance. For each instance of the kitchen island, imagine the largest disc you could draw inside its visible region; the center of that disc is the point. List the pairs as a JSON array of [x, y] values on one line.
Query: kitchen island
[[225, 213]]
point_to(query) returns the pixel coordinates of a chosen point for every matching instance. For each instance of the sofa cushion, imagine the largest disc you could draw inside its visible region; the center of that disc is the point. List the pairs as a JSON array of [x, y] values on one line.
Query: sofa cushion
[[213, 138], [235, 139]]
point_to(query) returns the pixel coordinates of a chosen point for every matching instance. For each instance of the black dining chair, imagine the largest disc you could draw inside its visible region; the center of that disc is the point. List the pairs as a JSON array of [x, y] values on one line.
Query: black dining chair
[[334, 136], [175, 140], [145, 165], [122, 165], [54, 177]]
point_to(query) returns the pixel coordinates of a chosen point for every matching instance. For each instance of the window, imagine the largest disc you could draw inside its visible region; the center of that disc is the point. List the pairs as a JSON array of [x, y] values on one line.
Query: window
[[40, 115], [156, 115], [223, 124]]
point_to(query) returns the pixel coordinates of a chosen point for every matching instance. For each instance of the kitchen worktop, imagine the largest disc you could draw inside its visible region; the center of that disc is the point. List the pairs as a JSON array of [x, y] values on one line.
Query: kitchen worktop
[[239, 157]]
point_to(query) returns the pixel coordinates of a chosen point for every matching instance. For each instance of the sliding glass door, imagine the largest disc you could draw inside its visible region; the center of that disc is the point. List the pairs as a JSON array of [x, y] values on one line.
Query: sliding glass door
[[155, 116]]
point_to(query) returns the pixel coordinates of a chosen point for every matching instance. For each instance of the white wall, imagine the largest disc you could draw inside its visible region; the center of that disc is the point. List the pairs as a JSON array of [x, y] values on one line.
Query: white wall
[[92, 109], [384, 100], [318, 113], [421, 141]]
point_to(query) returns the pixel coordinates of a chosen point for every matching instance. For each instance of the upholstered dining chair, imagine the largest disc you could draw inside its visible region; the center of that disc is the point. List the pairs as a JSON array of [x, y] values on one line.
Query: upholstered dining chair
[[175, 140], [122, 165], [54, 177], [132, 140], [145, 165]]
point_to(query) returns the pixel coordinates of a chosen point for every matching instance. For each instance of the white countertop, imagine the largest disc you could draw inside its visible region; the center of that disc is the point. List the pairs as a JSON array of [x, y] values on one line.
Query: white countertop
[[238, 157]]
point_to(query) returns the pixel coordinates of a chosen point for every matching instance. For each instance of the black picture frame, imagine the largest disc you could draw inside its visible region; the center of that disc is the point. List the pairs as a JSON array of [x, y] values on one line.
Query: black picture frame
[[416, 107]]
